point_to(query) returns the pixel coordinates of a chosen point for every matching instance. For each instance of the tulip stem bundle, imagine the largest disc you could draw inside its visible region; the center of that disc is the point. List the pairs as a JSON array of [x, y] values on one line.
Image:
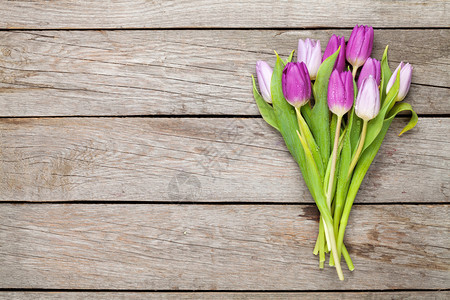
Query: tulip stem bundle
[[333, 150]]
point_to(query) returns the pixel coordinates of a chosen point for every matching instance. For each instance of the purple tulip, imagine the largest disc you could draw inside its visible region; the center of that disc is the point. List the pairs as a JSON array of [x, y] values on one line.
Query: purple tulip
[[367, 103], [296, 84], [310, 53], [405, 80], [359, 45], [371, 67], [264, 74], [332, 46], [340, 92]]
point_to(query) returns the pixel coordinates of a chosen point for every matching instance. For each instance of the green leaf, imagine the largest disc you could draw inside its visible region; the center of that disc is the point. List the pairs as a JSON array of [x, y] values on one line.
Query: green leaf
[[328, 170], [288, 124], [345, 159], [320, 115], [355, 133], [365, 161], [289, 59], [357, 123], [313, 174], [306, 113], [385, 75], [333, 128], [265, 108], [374, 126], [286, 119], [369, 154], [306, 133], [404, 107]]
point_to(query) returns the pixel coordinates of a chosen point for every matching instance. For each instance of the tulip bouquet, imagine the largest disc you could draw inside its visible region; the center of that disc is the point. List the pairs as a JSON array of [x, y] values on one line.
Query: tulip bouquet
[[333, 122]]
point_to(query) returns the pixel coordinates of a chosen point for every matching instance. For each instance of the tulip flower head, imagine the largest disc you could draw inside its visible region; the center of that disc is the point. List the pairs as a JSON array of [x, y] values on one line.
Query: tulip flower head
[[264, 74], [332, 46], [340, 92], [371, 67], [359, 45], [310, 53], [296, 84], [367, 103], [405, 80]]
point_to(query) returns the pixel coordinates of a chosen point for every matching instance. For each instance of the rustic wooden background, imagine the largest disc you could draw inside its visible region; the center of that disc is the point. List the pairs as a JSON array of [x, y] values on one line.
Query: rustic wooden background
[[134, 163]]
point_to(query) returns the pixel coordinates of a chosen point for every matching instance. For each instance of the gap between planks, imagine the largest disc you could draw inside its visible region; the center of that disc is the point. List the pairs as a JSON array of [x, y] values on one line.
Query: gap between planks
[[143, 202], [216, 28], [225, 295], [399, 116]]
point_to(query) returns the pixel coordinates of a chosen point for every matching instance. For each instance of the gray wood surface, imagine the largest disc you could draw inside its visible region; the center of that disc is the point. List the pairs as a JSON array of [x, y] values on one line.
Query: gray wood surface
[[191, 159], [68, 14], [387, 295], [189, 72], [217, 247]]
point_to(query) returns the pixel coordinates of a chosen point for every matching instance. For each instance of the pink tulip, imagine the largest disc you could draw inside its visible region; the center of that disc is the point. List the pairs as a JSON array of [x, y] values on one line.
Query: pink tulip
[[359, 45], [332, 46], [310, 53], [264, 74], [296, 84], [340, 92], [405, 80], [367, 103]]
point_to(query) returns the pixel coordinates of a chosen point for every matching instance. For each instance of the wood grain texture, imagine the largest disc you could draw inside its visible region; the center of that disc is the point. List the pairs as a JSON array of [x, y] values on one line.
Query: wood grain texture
[[216, 14], [217, 247], [199, 159], [387, 295], [189, 72]]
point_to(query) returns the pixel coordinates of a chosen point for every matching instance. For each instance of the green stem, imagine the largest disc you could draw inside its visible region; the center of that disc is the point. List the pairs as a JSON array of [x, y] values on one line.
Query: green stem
[[316, 247], [327, 237], [333, 161], [359, 150], [334, 252], [321, 244], [354, 72], [347, 258]]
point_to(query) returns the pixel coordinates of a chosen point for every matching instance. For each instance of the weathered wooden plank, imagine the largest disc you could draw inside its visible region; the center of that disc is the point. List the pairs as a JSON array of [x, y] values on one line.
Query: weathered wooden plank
[[206, 159], [209, 247], [388, 295], [216, 14], [59, 73]]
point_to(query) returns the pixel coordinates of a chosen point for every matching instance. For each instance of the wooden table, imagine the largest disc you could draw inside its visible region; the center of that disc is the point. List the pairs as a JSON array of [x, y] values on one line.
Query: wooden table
[[134, 162]]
